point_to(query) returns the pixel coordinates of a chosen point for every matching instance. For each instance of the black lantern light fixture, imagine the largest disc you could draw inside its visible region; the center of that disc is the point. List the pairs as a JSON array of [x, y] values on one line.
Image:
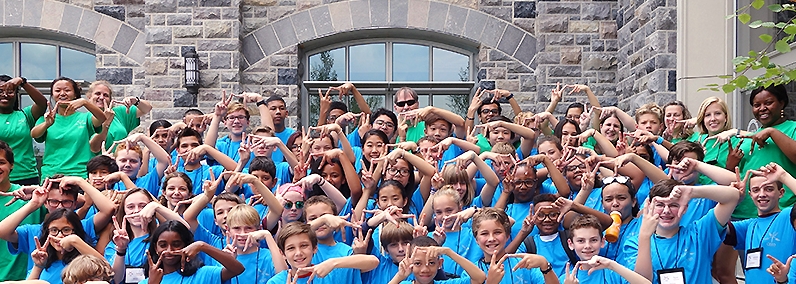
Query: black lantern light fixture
[[191, 70]]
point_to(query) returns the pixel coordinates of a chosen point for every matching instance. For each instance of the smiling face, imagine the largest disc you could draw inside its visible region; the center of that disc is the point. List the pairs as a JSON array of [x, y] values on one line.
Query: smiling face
[[568, 130], [299, 251], [399, 172], [385, 124], [99, 95], [133, 204], [617, 198], [94, 177], [220, 210], [611, 128], [5, 167], [8, 97], [546, 218], [439, 129], [767, 108], [62, 225], [499, 134], [425, 268], [668, 213], [236, 121], [333, 173], [373, 147], [169, 241], [765, 195], [574, 172], [715, 118], [491, 237], [391, 196], [488, 111], [63, 91], [586, 242], [315, 211], [549, 149], [129, 162], [445, 206], [176, 190], [524, 184]]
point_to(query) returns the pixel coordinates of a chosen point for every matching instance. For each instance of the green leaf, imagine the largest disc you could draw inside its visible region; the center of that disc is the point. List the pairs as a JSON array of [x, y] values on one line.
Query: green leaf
[[742, 81], [744, 18], [739, 60], [780, 25], [756, 24], [764, 60], [728, 88], [790, 29], [753, 53], [757, 4], [767, 38], [776, 8], [768, 25], [782, 46], [712, 85], [725, 76]]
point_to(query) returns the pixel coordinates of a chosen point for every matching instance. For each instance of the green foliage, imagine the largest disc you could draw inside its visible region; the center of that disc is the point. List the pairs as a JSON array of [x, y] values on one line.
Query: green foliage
[[778, 40]]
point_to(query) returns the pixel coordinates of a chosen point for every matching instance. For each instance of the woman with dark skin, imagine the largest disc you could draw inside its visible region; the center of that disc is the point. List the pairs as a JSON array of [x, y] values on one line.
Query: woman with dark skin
[[17, 126]]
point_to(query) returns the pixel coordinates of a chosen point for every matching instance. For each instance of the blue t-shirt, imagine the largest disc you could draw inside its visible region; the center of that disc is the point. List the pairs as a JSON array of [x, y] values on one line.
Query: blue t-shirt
[[463, 280], [773, 233], [518, 211], [337, 276], [230, 148], [53, 273], [202, 234], [262, 261], [602, 276], [277, 155], [25, 243], [615, 250], [355, 141], [792, 275], [463, 243], [201, 174], [153, 162], [136, 252], [326, 252], [692, 249], [522, 275], [382, 273], [205, 274], [150, 182], [552, 250], [207, 218]]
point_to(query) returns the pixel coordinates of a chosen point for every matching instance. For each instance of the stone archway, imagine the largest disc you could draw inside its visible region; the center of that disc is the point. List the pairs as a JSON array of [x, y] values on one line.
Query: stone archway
[[433, 16]]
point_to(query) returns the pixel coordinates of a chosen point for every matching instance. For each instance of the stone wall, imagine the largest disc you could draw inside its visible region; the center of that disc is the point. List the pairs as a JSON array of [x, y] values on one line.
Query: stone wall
[[647, 52]]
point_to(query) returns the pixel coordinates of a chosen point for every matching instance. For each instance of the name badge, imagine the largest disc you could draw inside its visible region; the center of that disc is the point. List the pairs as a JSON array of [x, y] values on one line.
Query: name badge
[[753, 258], [134, 274], [671, 276]]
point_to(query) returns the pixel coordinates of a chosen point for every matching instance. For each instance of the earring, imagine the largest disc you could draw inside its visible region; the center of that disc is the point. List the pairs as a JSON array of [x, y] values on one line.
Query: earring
[[782, 113]]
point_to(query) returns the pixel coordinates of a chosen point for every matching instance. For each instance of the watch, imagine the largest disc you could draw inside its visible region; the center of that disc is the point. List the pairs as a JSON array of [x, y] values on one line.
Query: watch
[[137, 100], [511, 96], [549, 268], [24, 80], [262, 102]]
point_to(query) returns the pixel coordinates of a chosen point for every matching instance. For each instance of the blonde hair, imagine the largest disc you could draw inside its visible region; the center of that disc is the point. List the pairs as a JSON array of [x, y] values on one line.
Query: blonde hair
[[236, 106], [452, 175], [650, 108], [704, 107], [100, 83], [87, 268], [503, 148], [448, 191], [243, 214]]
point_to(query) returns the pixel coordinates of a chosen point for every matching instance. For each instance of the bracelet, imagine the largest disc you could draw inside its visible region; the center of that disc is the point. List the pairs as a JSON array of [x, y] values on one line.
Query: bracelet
[[24, 80], [121, 253], [137, 100], [470, 118], [511, 96], [660, 140], [262, 102], [549, 268], [323, 181]]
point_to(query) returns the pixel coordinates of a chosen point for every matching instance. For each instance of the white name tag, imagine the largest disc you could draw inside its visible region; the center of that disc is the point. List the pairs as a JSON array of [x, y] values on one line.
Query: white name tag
[[671, 276], [753, 258], [134, 275]]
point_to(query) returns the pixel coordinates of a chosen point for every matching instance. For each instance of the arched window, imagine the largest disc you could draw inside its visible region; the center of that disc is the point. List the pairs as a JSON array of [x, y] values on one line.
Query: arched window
[[41, 61], [441, 74]]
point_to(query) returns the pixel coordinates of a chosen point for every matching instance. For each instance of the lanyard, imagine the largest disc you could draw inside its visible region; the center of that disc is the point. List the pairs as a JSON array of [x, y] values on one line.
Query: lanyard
[[677, 249], [256, 270], [764, 232]]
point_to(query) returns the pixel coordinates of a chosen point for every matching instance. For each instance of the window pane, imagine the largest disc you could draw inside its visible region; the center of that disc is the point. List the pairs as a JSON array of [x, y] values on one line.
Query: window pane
[[409, 62], [38, 61], [455, 103], [451, 66], [78, 65], [374, 102], [423, 99], [7, 59], [328, 65], [367, 62]]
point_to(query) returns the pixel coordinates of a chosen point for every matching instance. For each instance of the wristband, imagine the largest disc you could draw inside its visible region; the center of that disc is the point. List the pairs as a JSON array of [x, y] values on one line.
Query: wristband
[[660, 140], [511, 96], [470, 118], [121, 253], [24, 80], [549, 268], [262, 102], [137, 100]]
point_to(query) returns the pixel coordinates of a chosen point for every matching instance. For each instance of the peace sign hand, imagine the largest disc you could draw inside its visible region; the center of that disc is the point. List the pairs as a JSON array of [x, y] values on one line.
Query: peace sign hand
[[120, 236], [155, 268], [572, 278], [39, 255], [496, 270], [360, 244]]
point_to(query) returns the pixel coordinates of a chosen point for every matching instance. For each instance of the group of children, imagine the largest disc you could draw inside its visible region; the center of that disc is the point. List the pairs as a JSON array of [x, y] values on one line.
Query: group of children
[[409, 195]]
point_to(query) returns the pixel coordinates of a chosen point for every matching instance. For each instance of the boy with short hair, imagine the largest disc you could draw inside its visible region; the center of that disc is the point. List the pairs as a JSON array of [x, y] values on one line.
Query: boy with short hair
[[245, 232], [586, 239], [395, 241], [298, 243], [321, 213], [278, 110], [426, 260], [191, 151]]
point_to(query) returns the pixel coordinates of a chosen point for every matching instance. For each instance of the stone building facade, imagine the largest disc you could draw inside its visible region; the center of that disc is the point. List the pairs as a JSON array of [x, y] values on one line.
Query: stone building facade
[[623, 49]]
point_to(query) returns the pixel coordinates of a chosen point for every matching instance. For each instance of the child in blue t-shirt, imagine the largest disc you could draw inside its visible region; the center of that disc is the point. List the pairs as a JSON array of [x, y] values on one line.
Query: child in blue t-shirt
[[425, 261], [322, 216], [395, 240], [245, 236]]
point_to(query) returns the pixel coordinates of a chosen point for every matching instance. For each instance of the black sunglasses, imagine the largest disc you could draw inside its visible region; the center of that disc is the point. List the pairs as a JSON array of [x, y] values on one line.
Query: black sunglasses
[[405, 103]]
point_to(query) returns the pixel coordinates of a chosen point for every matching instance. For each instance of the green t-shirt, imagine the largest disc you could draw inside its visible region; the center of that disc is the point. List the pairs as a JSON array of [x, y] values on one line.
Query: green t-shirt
[[414, 133], [66, 149], [15, 266], [123, 123], [15, 131], [761, 157], [483, 143], [715, 154]]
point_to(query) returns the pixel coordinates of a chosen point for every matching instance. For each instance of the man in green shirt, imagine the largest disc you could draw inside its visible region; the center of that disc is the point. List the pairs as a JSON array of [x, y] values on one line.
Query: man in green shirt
[[406, 99], [12, 267]]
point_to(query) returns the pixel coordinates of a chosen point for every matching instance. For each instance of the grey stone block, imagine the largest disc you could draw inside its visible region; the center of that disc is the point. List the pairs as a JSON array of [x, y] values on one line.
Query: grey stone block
[[88, 25], [218, 45], [220, 60], [124, 39], [525, 9], [545, 7], [493, 30], [379, 13], [487, 85], [526, 49], [341, 16], [559, 39], [268, 40], [207, 13], [161, 6], [116, 76], [178, 19], [251, 50], [183, 98], [564, 71], [322, 20], [187, 32], [220, 29], [360, 13], [455, 21], [287, 76], [285, 32], [70, 20], [481, 74], [596, 11], [437, 12], [552, 24], [32, 14], [116, 12], [158, 35], [128, 2], [215, 3], [13, 12], [399, 10], [474, 25], [503, 13], [302, 22], [510, 40], [672, 81]]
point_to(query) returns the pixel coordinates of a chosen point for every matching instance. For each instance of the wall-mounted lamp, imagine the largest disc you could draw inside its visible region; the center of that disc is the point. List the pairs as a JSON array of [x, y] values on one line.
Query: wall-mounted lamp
[[191, 70]]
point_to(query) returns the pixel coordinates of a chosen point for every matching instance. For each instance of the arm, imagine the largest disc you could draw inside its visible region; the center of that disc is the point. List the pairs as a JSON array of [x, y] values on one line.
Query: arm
[[476, 275], [726, 196], [143, 107], [605, 145], [629, 275], [8, 226], [99, 115], [361, 262], [558, 178], [491, 178], [363, 105], [717, 174], [105, 207], [228, 163], [199, 202], [451, 117], [231, 265], [211, 135], [786, 144], [580, 209], [163, 157], [39, 101], [275, 207], [40, 129]]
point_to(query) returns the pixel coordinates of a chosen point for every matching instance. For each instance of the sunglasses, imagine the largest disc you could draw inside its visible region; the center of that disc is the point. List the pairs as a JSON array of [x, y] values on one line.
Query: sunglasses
[[617, 179], [289, 205], [406, 103]]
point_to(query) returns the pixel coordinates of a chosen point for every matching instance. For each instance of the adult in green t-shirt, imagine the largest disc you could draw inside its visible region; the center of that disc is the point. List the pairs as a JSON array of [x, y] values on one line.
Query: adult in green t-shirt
[[773, 142], [486, 105], [12, 267], [66, 132], [123, 117], [406, 99], [16, 126]]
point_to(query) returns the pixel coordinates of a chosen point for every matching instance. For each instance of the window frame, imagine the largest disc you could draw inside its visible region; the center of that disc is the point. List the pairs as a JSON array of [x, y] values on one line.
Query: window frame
[[387, 87]]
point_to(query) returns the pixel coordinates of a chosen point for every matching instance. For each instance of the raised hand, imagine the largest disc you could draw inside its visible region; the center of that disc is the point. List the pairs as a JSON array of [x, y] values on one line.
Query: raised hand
[[772, 172], [120, 236], [39, 255], [557, 93], [778, 269], [72, 106], [650, 220], [496, 270], [360, 244], [155, 268], [563, 205], [571, 278], [595, 263], [528, 261], [734, 155], [681, 194]]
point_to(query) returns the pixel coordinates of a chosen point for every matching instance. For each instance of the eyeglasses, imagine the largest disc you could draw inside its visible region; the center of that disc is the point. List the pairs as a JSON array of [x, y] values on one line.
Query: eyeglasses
[[488, 111], [525, 183], [65, 231], [233, 118], [384, 123], [295, 146], [406, 103], [289, 205], [572, 168], [394, 171], [332, 117], [55, 203], [552, 215], [617, 179]]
